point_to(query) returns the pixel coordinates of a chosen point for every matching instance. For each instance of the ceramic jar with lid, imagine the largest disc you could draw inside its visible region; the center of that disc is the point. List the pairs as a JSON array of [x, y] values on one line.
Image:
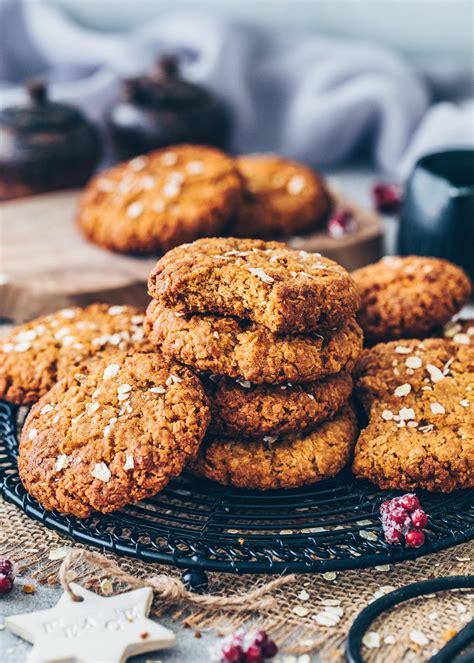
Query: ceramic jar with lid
[[162, 108], [45, 146]]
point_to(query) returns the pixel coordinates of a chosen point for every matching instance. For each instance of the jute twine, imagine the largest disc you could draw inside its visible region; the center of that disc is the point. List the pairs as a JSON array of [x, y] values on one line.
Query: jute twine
[[167, 588], [288, 607]]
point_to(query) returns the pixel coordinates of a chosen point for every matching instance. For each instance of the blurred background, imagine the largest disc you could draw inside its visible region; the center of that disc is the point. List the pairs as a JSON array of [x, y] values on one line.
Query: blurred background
[[405, 25], [323, 81], [358, 89]]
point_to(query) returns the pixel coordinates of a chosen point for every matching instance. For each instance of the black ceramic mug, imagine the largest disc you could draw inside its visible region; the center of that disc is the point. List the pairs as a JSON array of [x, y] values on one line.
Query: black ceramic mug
[[437, 218]]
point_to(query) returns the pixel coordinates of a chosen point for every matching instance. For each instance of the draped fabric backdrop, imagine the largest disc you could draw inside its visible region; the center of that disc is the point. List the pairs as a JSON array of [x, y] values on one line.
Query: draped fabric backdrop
[[318, 99]]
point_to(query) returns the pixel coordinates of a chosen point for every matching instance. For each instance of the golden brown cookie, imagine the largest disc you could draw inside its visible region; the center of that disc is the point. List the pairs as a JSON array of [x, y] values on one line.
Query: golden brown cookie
[[408, 297], [113, 436], [35, 355], [247, 351], [280, 197], [285, 290], [460, 331], [240, 408], [159, 200], [288, 462], [419, 397]]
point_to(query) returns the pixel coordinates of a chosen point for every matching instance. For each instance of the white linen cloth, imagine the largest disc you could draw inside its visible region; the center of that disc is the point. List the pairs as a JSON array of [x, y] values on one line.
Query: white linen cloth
[[305, 96]]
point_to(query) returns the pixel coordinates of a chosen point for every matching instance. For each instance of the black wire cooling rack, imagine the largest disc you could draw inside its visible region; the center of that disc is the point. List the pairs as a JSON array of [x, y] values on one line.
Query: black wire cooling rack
[[201, 526]]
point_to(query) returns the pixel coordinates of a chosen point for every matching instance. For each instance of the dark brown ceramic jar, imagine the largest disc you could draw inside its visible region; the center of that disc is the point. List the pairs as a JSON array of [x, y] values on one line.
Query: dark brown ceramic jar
[[162, 109], [45, 146]]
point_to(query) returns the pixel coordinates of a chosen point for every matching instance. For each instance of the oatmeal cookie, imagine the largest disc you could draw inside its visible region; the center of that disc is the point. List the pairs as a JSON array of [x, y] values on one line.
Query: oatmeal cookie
[[419, 397], [288, 462], [159, 200], [113, 436], [408, 297], [285, 290], [35, 355], [240, 408], [280, 197], [244, 350]]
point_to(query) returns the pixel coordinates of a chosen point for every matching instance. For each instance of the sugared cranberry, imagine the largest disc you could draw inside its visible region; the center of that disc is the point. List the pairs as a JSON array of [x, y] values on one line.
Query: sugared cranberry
[[247, 647], [387, 197], [232, 654], [270, 649], [414, 538], [419, 518], [254, 654], [6, 568], [399, 515], [387, 506], [341, 223], [393, 534], [6, 584], [261, 638], [410, 502], [403, 519]]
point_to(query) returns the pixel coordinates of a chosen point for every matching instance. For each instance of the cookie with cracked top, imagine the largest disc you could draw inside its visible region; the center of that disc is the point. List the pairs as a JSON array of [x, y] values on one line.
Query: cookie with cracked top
[[419, 398], [36, 354], [113, 436], [287, 462], [282, 289], [408, 297], [161, 199], [280, 197], [243, 350], [240, 408]]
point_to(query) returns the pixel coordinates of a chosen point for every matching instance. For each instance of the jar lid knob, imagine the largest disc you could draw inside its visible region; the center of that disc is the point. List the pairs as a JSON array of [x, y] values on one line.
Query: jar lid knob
[[168, 67], [37, 91]]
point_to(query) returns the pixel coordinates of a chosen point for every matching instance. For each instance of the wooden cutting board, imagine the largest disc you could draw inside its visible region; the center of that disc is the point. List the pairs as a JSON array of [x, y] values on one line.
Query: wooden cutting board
[[47, 263]]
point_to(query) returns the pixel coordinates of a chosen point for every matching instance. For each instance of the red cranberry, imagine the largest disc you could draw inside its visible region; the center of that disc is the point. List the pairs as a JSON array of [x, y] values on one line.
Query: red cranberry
[[410, 501], [270, 649], [6, 584], [232, 654], [393, 534], [386, 507], [419, 518], [399, 515], [414, 538], [387, 197], [261, 638], [6, 568], [253, 654], [341, 223]]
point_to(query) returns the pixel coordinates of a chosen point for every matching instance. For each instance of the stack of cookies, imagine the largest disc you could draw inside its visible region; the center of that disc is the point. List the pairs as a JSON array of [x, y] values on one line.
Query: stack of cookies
[[272, 333]]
